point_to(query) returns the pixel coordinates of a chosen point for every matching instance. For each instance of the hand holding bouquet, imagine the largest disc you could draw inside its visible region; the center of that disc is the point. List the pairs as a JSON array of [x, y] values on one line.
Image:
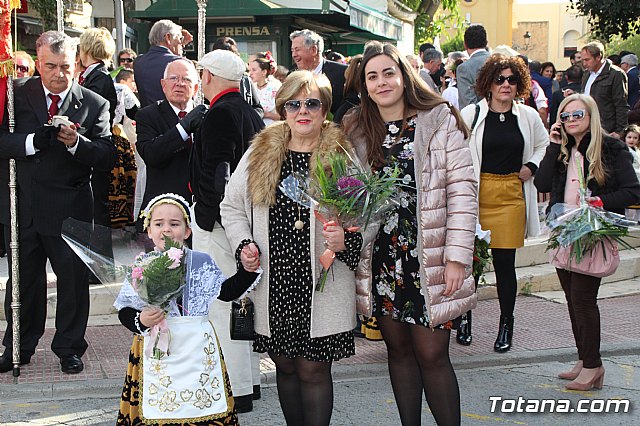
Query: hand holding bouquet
[[481, 256], [341, 189], [159, 277]]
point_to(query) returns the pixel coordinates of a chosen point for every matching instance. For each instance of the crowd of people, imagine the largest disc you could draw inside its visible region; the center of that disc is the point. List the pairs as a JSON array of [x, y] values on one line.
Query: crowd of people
[[476, 136]]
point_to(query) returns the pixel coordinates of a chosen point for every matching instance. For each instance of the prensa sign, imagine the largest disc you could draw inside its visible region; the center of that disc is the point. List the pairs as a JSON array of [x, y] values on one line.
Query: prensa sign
[[242, 31]]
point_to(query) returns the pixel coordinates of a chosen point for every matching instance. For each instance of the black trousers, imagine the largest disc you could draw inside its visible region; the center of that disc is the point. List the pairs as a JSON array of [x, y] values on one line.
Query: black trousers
[[72, 310], [581, 292]]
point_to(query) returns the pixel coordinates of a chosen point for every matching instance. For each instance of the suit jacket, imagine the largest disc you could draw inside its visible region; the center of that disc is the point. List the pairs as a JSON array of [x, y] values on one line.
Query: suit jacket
[[54, 184], [558, 97], [335, 73], [609, 90], [634, 86], [466, 75], [223, 137], [163, 150], [99, 81], [426, 77], [149, 70]]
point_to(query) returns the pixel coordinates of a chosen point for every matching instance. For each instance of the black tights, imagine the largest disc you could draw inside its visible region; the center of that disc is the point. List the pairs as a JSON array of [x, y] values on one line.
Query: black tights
[[419, 361], [504, 264], [305, 390]]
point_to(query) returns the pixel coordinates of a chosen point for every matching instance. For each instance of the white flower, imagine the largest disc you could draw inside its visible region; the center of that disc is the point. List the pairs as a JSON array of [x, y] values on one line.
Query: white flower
[[392, 222], [406, 179], [393, 129], [483, 235]]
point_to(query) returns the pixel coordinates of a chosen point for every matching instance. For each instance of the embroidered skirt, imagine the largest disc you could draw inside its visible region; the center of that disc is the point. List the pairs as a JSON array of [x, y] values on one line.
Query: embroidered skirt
[[189, 386], [502, 209]]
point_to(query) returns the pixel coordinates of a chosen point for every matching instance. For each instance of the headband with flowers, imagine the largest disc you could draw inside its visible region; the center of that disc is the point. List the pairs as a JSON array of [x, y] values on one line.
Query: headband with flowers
[[168, 198]]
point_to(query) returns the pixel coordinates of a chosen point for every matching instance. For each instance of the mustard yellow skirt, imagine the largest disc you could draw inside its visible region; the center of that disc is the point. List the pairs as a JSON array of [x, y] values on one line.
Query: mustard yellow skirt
[[502, 209]]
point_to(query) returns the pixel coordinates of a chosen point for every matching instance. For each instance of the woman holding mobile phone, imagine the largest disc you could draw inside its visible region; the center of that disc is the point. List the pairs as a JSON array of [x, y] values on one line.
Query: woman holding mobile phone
[[577, 137]]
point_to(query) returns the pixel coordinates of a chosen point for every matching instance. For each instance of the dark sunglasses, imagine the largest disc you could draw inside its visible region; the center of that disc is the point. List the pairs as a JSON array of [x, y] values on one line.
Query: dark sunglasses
[[576, 115], [311, 104], [22, 68], [512, 79], [127, 60]]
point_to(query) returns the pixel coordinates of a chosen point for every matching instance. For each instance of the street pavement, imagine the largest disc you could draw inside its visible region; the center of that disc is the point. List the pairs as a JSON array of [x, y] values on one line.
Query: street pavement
[[543, 346]]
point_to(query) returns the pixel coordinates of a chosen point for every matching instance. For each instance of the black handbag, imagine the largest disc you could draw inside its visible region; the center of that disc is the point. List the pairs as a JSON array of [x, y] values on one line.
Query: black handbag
[[241, 324]]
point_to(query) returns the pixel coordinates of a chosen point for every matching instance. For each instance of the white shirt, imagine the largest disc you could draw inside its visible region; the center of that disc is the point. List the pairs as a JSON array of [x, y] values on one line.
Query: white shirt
[[90, 68], [592, 77], [318, 69]]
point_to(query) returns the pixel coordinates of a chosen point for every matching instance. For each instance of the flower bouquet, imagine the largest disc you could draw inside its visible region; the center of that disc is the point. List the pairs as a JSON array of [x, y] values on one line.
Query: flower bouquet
[[481, 256], [585, 238], [159, 277], [341, 187]]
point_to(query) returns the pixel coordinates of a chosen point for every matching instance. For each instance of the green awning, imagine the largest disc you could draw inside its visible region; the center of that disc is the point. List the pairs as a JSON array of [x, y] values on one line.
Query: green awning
[[168, 9], [374, 22]]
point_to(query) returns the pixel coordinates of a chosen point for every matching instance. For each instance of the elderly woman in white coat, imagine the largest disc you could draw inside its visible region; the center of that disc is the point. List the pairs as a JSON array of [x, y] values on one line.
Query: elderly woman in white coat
[[302, 330], [507, 143]]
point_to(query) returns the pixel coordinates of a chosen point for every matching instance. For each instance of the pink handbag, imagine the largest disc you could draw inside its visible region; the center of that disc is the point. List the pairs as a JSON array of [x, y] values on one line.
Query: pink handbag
[[602, 261]]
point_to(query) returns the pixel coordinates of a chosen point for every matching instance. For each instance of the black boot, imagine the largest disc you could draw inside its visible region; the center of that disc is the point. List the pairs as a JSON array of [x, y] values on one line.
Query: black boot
[[505, 333], [463, 336]]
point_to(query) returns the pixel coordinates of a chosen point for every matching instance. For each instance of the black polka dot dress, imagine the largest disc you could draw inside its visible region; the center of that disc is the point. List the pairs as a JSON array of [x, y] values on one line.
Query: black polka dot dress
[[291, 285]]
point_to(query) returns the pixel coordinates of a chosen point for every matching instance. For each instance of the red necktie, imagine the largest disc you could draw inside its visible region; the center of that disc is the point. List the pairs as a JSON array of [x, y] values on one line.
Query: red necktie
[[181, 115], [81, 79], [53, 108]]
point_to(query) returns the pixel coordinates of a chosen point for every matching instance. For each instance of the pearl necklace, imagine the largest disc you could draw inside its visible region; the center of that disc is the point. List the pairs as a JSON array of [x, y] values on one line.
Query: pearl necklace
[[299, 224]]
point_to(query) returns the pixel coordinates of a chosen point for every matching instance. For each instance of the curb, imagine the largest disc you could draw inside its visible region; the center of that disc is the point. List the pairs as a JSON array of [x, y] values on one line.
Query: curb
[[111, 388]]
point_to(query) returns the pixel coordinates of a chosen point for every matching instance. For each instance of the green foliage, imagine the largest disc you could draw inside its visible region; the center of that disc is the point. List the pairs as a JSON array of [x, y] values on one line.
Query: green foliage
[[456, 44], [617, 44], [160, 282], [610, 17], [426, 26]]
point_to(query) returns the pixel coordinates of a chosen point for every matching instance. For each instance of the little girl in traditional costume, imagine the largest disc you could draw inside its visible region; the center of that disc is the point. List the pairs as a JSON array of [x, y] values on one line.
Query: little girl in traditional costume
[[190, 384]]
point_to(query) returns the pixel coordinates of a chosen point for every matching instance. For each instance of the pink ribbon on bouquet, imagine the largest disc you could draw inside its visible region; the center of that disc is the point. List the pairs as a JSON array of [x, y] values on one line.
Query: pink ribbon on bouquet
[[328, 256], [158, 338]]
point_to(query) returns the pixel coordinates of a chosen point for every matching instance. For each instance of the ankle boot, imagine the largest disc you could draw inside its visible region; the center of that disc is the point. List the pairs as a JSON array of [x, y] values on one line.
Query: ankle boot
[[463, 336], [505, 333]]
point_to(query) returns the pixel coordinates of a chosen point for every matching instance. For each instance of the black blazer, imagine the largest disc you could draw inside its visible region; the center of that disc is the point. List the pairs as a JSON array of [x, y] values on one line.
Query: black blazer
[[335, 73], [99, 81], [164, 152], [149, 70], [54, 184], [221, 141]]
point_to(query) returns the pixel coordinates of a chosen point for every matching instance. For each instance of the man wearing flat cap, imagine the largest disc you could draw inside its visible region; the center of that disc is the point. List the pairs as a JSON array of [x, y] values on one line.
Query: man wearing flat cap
[[224, 136]]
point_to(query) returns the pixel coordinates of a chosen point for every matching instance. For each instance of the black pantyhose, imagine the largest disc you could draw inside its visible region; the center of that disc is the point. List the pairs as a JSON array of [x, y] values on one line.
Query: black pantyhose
[[504, 261], [305, 390], [419, 361]]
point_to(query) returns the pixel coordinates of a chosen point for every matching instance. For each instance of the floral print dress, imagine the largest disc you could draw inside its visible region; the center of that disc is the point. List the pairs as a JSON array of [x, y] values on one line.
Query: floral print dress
[[396, 269]]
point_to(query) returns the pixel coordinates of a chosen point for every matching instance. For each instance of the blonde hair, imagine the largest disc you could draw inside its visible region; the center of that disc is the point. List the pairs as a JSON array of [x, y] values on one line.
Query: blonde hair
[[24, 55], [304, 80], [98, 43], [594, 152]]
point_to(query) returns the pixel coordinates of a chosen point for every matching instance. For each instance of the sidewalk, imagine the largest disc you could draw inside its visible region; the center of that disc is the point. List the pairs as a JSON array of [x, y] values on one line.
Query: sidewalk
[[542, 330]]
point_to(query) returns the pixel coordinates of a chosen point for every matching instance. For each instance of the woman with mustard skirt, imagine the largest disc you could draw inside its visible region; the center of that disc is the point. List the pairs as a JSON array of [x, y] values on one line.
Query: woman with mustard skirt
[[507, 143]]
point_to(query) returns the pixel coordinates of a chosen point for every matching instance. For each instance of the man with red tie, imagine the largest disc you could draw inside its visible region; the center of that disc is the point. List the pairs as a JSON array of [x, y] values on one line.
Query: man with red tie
[[53, 171], [164, 133]]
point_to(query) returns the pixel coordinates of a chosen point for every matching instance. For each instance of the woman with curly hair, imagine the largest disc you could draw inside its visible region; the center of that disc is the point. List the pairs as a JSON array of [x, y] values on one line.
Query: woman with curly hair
[[507, 143]]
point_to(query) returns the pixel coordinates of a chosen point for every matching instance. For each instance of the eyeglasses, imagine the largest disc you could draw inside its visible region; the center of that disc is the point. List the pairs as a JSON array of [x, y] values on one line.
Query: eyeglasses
[[127, 60], [174, 79], [512, 79], [22, 68], [576, 115], [311, 104]]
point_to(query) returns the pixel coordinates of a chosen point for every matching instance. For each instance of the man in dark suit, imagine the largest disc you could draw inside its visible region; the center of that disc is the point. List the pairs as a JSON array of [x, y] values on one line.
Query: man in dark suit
[[167, 40], [573, 76], [223, 138], [306, 51], [629, 64], [164, 133], [53, 170]]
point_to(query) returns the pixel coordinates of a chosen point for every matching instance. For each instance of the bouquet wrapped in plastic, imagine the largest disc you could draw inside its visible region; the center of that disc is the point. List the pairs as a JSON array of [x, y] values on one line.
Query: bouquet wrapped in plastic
[[159, 277], [343, 190], [481, 256], [585, 238]]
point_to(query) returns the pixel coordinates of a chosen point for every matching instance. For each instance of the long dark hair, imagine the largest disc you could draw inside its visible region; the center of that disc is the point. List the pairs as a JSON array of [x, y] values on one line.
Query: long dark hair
[[417, 95]]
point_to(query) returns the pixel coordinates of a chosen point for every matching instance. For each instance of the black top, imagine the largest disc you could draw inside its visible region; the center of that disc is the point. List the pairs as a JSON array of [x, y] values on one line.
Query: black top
[[502, 144]]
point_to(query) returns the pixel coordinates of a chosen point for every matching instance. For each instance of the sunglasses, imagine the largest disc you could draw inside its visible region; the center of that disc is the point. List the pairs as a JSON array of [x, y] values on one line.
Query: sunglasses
[[311, 104], [22, 68], [127, 60], [576, 115], [512, 79]]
